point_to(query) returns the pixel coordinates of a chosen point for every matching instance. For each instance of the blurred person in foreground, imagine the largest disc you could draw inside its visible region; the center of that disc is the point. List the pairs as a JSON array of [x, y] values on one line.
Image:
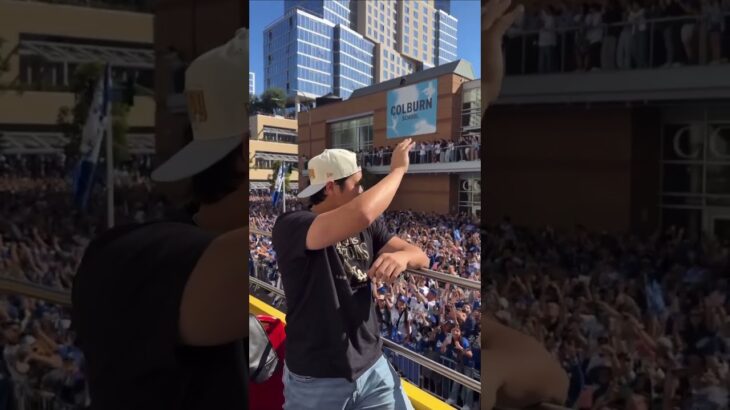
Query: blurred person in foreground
[[519, 371], [160, 308], [329, 257]]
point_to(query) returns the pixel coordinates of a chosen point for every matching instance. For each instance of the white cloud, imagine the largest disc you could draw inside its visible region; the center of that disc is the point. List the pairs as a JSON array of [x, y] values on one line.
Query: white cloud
[[423, 127]]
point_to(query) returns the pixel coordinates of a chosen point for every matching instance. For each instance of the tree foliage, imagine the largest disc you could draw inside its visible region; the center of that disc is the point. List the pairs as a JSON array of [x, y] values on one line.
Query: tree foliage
[[72, 119]]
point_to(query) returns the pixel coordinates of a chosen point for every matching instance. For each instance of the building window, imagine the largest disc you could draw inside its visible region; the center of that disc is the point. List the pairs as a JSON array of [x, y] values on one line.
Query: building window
[[425, 19], [382, 6], [406, 39], [355, 135], [408, 21], [370, 31], [425, 37], [408, 11], [406, 29], [406, 49]]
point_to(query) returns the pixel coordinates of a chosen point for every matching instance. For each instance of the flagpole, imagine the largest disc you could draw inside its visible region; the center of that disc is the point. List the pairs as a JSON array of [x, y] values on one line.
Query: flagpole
[[109, 174], [283, 190], [109, 149]]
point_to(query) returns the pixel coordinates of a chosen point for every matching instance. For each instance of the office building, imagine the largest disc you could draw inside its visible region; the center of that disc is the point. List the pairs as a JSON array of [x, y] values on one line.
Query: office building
[[273, 139], [363, 122], [334, 11], [45, 43], [251, 84], [308, 57], [335, 46]]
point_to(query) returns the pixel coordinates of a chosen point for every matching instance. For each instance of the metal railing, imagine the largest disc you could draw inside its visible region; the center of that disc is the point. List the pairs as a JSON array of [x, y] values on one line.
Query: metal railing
[[457, 153], [421, 360], [141, 6], [32, 290], [522, 52], [428, 273]]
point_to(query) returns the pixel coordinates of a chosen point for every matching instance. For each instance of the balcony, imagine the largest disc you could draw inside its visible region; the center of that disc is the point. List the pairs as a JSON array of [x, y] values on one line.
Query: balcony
[[462, 159], [141, 6], [652, 66]]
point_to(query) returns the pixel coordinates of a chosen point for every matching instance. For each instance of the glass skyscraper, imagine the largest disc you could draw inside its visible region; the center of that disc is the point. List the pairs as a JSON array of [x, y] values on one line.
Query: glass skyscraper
[[337, 46], [353, 61], [444, 5], [335, 11], [446, 26]]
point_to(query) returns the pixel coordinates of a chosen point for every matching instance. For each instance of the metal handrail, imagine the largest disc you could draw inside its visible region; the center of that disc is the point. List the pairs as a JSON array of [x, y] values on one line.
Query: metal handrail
[[35, 291], [522, 35], [647, 21], [431, 274], [423, 361]]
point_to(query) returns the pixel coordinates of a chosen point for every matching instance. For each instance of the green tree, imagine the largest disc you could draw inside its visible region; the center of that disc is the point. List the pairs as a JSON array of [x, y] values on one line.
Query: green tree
[[4, 68], [72, 119], [272, 99]]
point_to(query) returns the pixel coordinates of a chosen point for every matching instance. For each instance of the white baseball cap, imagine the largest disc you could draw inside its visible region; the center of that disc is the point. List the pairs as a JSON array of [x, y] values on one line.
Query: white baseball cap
[[331, 165], [215, 89]]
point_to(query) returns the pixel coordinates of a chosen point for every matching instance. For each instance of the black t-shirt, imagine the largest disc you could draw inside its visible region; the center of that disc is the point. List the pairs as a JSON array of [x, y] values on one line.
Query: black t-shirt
[[331, 329], [126, 303]]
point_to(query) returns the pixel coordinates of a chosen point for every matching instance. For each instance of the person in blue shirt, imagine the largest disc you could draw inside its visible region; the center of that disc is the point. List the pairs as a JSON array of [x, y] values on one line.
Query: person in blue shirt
[[456, 348]]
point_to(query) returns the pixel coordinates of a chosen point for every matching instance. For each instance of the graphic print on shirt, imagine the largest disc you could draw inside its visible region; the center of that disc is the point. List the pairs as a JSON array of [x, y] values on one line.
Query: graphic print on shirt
[[355, 257]]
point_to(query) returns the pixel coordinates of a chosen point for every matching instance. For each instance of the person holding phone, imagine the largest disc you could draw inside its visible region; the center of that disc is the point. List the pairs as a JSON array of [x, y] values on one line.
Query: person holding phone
[[517, 371]]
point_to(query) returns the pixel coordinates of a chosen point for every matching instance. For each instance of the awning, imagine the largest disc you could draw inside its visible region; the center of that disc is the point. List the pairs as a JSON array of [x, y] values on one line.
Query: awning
[[20, 143], [276, 157], [282, 131], [265, 185], [81, 54], [27, 143], [259, 185], [141, 144]]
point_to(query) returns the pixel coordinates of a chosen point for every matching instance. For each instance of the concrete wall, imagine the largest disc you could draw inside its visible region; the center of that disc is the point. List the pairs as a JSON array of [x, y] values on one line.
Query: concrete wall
[[558, 165], [41, 108], [428, 193]]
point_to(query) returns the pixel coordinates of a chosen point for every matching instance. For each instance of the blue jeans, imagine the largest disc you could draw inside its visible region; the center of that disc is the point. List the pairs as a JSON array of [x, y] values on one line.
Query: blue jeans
[[378, 388]]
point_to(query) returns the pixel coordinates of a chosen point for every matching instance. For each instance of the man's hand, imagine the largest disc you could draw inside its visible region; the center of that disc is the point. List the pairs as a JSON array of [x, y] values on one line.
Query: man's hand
[[495, 22], [400, 159], [388, 266]]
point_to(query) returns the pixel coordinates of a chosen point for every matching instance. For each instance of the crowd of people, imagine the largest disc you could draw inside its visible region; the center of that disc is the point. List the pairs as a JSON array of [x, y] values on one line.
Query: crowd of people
[[43, 235], [466, 148], [437, 320], [637, 322], [41, 365], [566, 36]]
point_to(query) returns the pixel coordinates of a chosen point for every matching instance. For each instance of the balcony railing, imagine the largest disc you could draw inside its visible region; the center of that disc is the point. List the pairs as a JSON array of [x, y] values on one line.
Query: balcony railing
[[141, 6], [458, 153], [632, 48]]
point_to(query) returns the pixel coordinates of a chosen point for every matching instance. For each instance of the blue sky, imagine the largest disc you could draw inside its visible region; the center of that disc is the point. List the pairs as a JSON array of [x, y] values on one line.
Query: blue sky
[[263, 12]]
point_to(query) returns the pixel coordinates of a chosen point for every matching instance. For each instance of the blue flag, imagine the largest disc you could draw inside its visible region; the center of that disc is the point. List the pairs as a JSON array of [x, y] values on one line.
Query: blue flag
[[655, 298], [92, 138], [278, 186]]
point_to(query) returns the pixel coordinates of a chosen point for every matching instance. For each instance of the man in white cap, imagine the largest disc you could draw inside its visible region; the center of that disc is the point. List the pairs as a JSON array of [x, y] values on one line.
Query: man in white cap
[[160, 308], [517, 371], [329, 256]]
